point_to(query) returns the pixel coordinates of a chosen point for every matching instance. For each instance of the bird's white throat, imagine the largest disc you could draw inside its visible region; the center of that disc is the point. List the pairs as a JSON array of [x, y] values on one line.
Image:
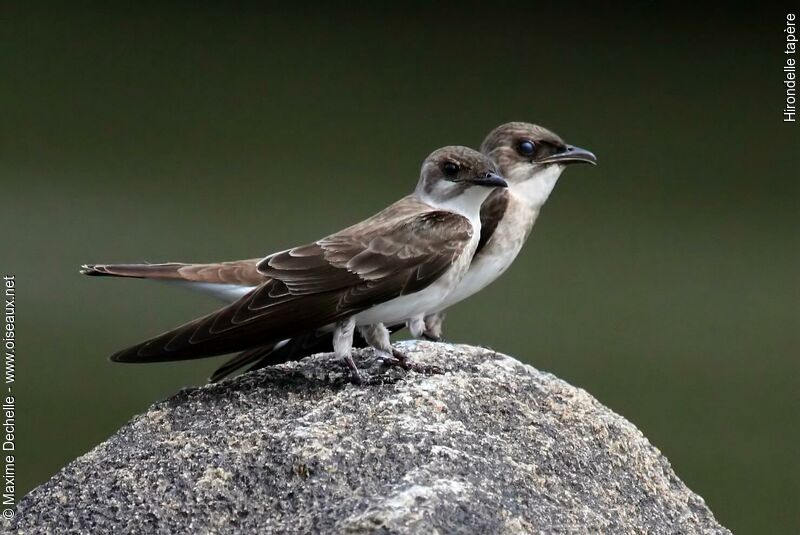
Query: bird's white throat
[[468, 203], [535, 190]]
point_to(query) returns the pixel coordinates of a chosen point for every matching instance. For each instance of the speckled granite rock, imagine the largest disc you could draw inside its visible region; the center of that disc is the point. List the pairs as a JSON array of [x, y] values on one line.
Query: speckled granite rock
[[491, 446]]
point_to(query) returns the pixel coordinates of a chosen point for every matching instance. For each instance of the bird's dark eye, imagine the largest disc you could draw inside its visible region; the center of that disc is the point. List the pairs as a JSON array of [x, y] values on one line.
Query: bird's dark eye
[[526, 147], [450, 169]]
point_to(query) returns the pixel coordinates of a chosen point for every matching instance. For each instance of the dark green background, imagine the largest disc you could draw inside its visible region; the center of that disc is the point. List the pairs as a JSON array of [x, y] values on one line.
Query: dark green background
[[664, 281]]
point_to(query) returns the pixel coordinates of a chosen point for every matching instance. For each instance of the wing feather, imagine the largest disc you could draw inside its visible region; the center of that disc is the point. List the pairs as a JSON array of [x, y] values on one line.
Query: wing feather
[[312, 286], [239, 272], [493, 210]]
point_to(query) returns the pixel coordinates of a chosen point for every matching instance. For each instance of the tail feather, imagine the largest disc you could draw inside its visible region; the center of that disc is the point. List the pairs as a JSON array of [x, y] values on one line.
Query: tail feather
[[139, 271], [277, 353], [237, 272], [288, 350], [241, 360]]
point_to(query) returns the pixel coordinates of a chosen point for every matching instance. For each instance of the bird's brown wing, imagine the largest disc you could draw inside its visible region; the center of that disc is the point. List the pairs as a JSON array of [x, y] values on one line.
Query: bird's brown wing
[[308, 287], [493, 210], [274, 353], [247, 357]]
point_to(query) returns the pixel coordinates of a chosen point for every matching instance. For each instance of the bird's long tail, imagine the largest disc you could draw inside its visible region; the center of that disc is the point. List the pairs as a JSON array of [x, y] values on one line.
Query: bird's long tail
[[170, 270], [227, 281]]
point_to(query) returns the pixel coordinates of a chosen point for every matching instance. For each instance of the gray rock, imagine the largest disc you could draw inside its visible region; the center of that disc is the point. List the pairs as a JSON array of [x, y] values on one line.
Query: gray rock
[[491, 446]]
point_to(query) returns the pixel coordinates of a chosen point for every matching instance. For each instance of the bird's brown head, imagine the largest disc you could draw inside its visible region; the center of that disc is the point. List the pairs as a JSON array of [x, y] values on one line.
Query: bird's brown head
[[455, 172], [524, 150]]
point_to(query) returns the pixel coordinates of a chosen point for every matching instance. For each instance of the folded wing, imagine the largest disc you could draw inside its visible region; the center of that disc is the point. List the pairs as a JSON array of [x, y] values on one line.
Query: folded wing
[[492, 212], [399, 251]]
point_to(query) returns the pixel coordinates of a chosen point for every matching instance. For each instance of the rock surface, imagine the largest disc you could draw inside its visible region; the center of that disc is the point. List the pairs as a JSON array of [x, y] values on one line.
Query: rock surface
[[490, 446]]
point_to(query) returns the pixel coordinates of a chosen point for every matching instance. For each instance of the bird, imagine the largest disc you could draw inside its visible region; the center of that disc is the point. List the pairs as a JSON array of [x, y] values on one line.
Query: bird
[[531, 158], [400, 263]]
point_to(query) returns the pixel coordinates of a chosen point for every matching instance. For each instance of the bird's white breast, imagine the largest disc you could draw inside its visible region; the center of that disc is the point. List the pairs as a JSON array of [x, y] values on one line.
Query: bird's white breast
[[425, 301], [526, 198], [227, 293]]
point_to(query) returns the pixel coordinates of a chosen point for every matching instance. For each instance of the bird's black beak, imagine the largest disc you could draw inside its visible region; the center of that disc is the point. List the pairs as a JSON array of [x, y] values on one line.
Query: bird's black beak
[[490, 180], [569, 154]]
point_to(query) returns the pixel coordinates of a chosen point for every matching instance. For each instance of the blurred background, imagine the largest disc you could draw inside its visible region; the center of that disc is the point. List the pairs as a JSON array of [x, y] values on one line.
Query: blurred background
[[664, 281]]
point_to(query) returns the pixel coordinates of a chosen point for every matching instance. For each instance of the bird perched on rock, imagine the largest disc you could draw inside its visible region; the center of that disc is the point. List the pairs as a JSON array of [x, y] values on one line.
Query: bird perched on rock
[[531, 158], [401, 263]]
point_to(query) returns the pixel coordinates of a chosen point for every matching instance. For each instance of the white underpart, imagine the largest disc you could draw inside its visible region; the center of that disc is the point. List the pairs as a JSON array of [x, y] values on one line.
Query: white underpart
[[467, 204], [281, 344], [224, 292], [527, 198], [431, 298], [455, 284]]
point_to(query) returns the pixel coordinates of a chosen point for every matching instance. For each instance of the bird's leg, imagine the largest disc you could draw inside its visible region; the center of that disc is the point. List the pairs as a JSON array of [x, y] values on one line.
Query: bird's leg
[[433, 326], [416, 326], [377, 336], [343, 346]]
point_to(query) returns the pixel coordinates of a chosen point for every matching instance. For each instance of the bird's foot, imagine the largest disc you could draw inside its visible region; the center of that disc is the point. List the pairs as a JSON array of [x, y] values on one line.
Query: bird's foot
[[356, 376]]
